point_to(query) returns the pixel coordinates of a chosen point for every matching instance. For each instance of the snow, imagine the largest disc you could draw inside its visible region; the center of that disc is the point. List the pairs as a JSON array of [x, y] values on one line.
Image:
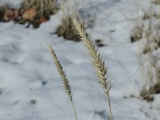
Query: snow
[[27, 72]]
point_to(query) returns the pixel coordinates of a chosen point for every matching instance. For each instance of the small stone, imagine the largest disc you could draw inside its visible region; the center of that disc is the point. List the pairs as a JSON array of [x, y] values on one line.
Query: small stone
[[33, 101]]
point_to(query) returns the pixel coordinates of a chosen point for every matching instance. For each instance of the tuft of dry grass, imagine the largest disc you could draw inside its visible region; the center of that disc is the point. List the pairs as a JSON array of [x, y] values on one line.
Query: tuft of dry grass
[[156, 2], [63, 77], [67, 30], [150, 43], [48, 6], [36, 12], [97, 61], [136, 33]]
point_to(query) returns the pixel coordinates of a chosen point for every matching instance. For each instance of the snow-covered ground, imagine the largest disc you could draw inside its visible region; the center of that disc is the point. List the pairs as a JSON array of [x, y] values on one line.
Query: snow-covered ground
[[31, 88]]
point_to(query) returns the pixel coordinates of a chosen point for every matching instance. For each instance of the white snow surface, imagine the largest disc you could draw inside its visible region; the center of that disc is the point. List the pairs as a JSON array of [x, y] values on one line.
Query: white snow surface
[[28, 74]]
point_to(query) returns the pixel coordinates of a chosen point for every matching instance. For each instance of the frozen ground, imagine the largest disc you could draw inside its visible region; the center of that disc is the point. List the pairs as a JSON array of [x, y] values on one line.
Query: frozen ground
[[31, 88]]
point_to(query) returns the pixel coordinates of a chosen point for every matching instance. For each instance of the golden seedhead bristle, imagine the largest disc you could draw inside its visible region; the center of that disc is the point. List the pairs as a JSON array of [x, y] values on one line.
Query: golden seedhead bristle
[[64, 78], [61, 72], [98, 63]]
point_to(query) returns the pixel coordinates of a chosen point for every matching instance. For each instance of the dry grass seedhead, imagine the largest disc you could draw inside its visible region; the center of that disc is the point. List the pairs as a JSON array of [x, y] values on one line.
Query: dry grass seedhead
[[61, 72], [63, 77], [67, 30], [98, 63]]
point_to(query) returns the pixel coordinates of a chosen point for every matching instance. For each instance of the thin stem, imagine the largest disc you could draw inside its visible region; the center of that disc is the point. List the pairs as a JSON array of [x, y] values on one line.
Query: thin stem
[[74, 111], [109, 106]]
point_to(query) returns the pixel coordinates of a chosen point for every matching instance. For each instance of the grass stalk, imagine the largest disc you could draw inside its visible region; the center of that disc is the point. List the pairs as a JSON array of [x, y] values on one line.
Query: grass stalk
[[64, 78], [97, 62]]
